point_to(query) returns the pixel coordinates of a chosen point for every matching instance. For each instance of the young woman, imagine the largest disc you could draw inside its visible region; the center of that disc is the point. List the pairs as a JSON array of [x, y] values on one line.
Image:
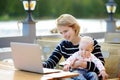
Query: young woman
[[69, 28]]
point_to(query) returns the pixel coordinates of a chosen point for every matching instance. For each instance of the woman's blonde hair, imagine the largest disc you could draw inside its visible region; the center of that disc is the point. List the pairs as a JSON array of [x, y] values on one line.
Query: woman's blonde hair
[[70, 21]]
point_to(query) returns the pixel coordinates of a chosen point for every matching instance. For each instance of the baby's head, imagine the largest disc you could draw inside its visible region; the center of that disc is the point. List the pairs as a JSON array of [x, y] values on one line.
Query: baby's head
[[86, 43]]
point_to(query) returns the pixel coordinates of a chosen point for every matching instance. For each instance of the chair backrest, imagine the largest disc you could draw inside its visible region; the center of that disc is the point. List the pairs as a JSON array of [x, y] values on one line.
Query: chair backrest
[[111, 53], [47, 47]]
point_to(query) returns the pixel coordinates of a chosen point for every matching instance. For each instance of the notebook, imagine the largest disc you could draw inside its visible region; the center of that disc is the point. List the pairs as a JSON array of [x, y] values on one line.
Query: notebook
[[27, 57]]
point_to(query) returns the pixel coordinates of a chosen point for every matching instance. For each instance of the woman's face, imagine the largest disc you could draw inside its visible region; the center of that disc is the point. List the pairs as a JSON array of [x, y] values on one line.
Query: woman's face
[[67, 32]]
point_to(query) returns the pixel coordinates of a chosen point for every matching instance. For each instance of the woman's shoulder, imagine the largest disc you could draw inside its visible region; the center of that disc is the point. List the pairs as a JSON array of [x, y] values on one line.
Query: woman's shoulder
[[64, 44], [68, 44]]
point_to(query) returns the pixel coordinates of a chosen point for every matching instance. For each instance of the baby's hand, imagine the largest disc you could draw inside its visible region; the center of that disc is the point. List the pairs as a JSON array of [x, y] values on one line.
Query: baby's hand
[[104, 75], [66, 67]]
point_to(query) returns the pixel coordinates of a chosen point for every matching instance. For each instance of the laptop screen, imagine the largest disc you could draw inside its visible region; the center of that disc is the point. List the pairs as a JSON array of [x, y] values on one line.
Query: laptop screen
[[27, 57]]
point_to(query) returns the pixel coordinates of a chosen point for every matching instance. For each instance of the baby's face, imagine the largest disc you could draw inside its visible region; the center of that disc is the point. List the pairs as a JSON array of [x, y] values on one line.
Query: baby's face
[[86, 49]]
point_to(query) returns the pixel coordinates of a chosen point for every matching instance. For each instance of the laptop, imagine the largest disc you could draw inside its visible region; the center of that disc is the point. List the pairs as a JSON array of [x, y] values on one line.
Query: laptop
[[27, 57]]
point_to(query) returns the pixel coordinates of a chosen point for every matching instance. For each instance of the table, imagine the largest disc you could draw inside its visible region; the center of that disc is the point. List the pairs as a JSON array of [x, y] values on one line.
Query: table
[[8, 72]]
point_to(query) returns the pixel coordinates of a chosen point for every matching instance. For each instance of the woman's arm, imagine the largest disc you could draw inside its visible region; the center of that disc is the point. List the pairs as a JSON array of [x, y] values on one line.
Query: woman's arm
[[53, 59]]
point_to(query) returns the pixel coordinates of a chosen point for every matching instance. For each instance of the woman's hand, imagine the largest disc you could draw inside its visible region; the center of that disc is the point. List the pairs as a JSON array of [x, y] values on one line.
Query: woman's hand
[[79, 63], [66, 67], [104, 75]]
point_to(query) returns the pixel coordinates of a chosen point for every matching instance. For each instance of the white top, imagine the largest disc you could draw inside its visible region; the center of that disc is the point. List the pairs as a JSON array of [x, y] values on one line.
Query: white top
[[92, 58]]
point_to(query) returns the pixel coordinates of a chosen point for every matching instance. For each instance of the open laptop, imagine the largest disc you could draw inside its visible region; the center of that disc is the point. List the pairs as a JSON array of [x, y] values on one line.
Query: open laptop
[[27, 56]]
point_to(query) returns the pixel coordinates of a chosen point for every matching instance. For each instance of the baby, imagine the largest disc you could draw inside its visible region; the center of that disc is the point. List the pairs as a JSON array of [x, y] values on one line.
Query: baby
[[86, 46]]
